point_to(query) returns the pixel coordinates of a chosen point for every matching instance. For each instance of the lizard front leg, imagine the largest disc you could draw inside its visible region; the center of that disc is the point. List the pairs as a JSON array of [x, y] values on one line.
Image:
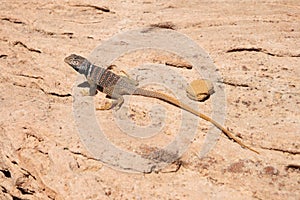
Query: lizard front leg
[[92, 90], [93, 87]]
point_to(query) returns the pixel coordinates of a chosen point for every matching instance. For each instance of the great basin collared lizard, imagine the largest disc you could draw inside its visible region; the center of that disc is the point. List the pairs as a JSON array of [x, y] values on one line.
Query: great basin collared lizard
[[116, 86]]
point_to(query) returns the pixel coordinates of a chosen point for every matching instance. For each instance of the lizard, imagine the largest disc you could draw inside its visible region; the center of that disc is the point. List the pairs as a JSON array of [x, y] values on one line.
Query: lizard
[[115, 86]]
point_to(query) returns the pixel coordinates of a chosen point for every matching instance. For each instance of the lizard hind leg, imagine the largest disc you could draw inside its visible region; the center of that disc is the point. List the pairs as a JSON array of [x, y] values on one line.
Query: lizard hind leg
[[130, 80], [115, 104]]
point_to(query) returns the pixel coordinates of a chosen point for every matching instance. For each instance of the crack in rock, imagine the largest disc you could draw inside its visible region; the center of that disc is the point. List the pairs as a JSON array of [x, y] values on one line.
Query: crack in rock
[[26, 47], [292, 152], [36, 86], [30, 76], [3, 56], [103, 9], [12, 20], [261, 50], [81, 154], [6, 173], [293, 166], [234, 84]]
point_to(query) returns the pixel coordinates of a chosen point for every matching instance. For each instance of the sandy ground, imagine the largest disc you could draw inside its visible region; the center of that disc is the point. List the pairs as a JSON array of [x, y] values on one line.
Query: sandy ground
[[255, 47]]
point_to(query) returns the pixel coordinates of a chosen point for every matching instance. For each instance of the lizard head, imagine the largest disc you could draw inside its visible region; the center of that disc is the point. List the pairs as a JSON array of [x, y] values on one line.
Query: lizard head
[[76, 61]]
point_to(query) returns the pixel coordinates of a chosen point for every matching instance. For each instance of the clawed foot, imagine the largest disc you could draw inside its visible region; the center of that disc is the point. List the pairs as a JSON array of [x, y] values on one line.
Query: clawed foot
[[84, 93], [106, 106], [116, 105]]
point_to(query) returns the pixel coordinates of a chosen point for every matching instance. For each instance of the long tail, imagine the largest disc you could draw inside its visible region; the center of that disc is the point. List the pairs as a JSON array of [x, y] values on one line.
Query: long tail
[[179, 104]]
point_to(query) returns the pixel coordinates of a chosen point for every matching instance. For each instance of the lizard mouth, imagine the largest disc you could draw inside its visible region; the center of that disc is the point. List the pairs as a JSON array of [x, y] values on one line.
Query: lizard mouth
[[66, 59]]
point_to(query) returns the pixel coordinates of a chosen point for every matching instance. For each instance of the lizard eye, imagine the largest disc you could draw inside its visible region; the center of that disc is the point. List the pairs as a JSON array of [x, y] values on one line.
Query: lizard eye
[[75, 62]]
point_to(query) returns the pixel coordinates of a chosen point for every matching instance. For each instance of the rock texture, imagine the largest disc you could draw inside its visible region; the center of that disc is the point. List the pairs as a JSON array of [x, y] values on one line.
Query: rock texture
[[255, 46]]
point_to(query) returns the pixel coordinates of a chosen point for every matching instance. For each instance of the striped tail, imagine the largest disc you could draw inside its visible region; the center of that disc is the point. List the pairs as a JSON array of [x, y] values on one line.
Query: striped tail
[[179, 104]]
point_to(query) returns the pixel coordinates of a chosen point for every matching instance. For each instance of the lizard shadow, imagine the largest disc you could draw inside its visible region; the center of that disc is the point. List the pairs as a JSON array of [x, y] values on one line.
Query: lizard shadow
[[85, 84]]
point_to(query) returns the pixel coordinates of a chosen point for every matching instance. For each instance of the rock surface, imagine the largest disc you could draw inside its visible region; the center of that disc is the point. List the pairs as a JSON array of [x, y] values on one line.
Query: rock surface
[[255, 47]]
